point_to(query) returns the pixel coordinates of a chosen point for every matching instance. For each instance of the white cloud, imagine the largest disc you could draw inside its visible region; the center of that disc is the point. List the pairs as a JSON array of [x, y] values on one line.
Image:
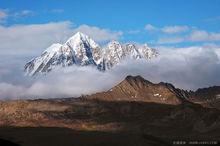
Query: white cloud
[[198, 35], [69, 82], [174, 29], [23, 13], [99, 34], [58, 11], [167, 29], [34, 38], [194, 36], [150, 27], [179, 66], [212, 19], [201, 35], [3, 15], [7, 13], [6, 91], [187, 68], [171, 40], [133, 32]]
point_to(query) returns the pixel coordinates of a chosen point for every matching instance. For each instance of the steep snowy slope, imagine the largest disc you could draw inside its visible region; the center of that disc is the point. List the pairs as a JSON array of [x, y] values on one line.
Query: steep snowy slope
[[81, 50], [115, 52]]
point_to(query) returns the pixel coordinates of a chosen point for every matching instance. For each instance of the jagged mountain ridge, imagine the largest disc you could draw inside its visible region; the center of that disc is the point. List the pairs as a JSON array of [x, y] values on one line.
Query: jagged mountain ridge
[[78, 49], [209, 97], [81, 50], [136, 88], [135, 105]]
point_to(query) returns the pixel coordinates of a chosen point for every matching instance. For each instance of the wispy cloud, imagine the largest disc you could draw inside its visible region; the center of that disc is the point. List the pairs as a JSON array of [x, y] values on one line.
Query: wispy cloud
[[170, 40], [99, 34], [57, 11], [178, 34], [6, 14], [174, 29], [150, 27], [212, 19], [201, 35], [133, 31], [23, 13], [194, 36], [3, 15], [167, 29]]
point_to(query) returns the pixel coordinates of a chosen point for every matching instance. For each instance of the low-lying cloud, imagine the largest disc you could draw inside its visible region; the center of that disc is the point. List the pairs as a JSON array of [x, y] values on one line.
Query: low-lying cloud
[[187, 68]]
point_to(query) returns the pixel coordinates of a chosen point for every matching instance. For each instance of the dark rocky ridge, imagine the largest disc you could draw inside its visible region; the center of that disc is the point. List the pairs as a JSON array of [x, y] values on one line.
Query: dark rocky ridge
[[209, 97], [136, 88], [133, 109]]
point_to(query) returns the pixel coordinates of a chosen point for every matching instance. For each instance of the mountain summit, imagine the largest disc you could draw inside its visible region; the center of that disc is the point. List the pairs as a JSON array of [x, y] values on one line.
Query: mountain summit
[[136, 88], [81, 50]]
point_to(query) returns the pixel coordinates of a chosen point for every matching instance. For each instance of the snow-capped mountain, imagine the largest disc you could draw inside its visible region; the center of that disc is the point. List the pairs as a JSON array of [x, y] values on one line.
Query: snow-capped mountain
[[115, 52], [81, 50]]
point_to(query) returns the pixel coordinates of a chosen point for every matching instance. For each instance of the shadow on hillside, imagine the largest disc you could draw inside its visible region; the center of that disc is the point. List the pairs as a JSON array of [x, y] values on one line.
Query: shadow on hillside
[[4, 142], [111, 111], [140, 117], [103, 112], [43, 136], [141, 124]]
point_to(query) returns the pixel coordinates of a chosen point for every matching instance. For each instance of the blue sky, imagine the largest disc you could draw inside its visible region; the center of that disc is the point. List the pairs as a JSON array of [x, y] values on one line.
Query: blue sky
[[186, 33], [183, 18]]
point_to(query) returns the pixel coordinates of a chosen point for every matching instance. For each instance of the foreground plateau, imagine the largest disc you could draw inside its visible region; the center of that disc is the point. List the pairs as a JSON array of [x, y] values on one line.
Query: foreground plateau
[[136, 112]]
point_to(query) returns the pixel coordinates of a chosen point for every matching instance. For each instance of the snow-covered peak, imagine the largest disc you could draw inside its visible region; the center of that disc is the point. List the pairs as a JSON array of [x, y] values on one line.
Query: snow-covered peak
[[130, 45], [145, 45], [81, 50], [53, 48], [145, 50], [80, 38], [85, 49], [77, 37], [113, 42], [114, 45], [114, 52]]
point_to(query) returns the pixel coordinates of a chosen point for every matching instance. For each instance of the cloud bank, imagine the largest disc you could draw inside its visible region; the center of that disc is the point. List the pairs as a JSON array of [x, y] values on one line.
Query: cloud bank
[[187, 68], [32, 39]]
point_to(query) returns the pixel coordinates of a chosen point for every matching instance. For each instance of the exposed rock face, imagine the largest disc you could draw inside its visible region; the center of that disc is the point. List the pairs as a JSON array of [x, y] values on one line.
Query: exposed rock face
[[115, 52], [81, 50], [208, 93], [133, 106], [209, 97], [136, 88]]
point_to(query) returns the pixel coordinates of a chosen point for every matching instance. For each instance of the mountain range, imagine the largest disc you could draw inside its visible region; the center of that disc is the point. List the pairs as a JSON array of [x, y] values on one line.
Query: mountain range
[[135, 112], [81, 50], [138, 89]]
